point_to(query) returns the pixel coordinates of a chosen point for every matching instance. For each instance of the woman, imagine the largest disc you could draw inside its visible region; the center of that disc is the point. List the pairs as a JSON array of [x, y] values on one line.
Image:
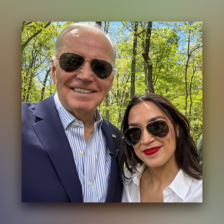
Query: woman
[[161, 159]]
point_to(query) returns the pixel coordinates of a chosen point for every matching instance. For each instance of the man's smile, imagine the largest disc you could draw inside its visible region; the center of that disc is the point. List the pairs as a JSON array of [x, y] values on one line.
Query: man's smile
[[82, 90]]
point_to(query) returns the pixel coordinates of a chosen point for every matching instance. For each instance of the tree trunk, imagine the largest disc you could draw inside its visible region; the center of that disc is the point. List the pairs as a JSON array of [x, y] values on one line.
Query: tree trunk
[[119, 101], [191, 101], [26, 78], [147, 60], [99, 23], [107, 105], [133, 63], [145, 68], [30, 81], [107, 99], [50, 83], [194, 129], [186, 67], [106, 26], [34, 35], [44, 85]]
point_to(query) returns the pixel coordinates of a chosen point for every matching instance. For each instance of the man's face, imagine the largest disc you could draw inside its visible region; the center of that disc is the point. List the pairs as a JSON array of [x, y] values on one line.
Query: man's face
[[82, 91]]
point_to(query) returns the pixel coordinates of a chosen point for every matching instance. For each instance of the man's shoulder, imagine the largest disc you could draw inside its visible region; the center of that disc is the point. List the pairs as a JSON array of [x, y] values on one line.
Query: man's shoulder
[[108, 124], [39, 109], [29, 106], [27, 111]]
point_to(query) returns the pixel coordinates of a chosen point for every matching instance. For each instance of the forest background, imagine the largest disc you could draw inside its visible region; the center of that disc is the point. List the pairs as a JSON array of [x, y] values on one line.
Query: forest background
[[159, 57]]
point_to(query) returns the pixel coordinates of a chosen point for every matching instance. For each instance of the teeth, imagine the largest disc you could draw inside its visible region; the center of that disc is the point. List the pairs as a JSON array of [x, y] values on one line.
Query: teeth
[[82, 90]]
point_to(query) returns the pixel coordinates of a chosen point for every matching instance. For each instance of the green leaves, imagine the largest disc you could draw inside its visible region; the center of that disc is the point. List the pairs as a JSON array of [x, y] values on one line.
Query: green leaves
[[173, 47]]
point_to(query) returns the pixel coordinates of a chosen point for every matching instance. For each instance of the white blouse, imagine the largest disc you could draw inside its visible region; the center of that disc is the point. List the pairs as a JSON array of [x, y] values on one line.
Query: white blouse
[[183, 188]]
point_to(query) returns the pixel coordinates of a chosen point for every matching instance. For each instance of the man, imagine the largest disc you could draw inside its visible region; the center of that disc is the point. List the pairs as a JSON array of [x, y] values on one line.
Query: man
[[70, 154]]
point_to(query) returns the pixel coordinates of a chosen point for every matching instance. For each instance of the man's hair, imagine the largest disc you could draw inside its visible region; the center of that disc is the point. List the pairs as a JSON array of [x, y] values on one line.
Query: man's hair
[[88, 26], [186, 153]]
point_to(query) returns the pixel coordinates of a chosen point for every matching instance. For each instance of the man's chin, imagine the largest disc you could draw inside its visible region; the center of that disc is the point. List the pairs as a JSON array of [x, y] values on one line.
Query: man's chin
[[81, 108]]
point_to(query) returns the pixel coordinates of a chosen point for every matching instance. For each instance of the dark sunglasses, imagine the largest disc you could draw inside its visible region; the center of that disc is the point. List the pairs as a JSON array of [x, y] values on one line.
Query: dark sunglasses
[[71, 62], [158, 128]]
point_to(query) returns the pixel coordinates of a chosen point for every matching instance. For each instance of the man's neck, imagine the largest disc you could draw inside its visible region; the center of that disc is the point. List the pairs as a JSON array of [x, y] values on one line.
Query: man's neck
[[88, 120]]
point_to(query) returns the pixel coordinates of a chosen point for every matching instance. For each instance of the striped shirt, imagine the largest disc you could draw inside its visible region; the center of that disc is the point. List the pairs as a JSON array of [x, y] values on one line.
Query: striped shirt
[[92, 159]]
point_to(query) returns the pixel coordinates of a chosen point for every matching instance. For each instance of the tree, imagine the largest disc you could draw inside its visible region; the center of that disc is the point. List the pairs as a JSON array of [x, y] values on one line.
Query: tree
[[38, 44], [35, 27], [160, 57], [147, 60]]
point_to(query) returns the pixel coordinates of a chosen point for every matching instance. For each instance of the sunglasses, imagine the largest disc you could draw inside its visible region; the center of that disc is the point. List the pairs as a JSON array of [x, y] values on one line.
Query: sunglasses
[[158, 128], [71, 62]]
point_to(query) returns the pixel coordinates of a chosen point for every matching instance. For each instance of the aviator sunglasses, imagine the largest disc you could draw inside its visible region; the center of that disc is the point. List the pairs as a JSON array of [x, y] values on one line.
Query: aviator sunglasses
[[71, 62], [158, 128]]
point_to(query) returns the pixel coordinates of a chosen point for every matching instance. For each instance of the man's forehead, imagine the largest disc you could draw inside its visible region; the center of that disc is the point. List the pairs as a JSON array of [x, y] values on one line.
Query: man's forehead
[[75, 32], [83, 35], [75, 36], [79, 31]]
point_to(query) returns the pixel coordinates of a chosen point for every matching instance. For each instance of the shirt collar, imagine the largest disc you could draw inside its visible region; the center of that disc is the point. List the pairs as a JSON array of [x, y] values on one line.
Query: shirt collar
[[181, 184], [136, 177], [67, 118]]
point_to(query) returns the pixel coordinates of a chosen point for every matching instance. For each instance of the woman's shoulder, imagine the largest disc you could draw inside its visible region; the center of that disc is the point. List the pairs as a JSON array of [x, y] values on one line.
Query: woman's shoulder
[[195, 189], [135, 176]]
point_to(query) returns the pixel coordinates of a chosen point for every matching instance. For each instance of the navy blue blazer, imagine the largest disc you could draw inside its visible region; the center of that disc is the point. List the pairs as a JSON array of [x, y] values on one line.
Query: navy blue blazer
[[48, 168]]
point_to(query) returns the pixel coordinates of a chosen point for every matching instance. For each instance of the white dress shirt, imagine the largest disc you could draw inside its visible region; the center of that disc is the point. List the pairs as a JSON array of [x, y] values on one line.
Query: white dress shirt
[[183, 188]]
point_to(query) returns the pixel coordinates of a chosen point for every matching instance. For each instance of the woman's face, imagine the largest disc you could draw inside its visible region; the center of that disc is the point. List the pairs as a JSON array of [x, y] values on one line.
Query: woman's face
[[153, 151]]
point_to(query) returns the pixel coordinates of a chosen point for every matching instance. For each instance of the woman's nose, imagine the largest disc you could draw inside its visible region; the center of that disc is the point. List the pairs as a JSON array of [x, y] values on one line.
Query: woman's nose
[[146, 137]]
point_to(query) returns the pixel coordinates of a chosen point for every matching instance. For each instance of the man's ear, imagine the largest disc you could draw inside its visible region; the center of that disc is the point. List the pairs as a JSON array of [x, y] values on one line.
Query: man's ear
[[112, 80], [53, 71]]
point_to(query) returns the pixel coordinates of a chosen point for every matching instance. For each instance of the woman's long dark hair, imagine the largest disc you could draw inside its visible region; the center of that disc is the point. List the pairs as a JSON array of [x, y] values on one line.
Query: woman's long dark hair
[[186, 153]]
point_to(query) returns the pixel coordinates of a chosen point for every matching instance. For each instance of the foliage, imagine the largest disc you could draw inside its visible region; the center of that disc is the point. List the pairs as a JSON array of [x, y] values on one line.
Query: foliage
[[175, 56]]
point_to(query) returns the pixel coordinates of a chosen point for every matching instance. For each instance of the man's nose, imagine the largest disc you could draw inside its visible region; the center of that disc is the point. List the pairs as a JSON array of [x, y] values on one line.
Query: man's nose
[[85, 73], [146, 137]]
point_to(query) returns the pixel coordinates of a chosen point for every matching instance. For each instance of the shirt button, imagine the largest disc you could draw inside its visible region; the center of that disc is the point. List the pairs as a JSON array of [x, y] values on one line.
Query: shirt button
[[76, 124], [81, 153], [89, 183]]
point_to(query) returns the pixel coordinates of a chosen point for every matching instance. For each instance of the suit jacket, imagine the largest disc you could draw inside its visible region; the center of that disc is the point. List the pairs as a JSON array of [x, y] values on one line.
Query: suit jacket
[[48, 168]]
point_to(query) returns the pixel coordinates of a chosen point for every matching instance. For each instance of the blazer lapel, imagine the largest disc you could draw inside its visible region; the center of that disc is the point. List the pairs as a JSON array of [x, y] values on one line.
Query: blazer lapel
[[51, 133], [114, 164]]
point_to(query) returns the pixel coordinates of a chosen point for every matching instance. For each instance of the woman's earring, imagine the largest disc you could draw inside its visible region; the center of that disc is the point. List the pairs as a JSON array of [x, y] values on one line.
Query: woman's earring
[[178, 135]]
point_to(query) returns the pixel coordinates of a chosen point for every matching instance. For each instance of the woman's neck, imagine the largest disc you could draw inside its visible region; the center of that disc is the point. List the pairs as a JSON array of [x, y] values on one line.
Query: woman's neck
[[155, 179], [162, 176]]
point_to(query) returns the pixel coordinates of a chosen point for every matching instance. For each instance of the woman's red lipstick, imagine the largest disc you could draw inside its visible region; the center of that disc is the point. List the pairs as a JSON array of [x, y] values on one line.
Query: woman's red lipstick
[[152, 150]]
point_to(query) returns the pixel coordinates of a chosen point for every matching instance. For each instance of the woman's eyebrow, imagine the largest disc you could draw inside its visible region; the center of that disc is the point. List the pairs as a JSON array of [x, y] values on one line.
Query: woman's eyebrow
[[156, 118], [152, 119]]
